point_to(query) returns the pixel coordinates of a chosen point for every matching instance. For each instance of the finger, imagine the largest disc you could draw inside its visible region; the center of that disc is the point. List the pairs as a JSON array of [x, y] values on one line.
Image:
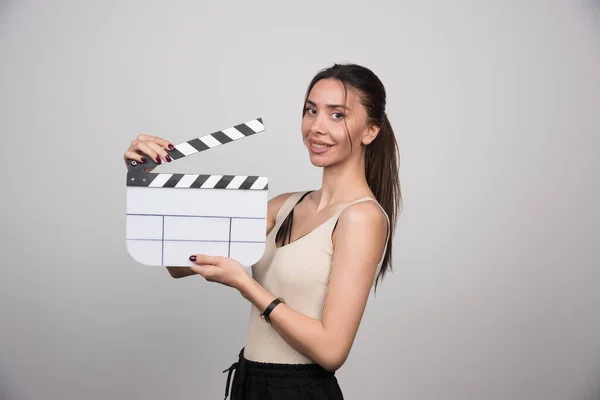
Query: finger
[[162, 153], [132, 155], [146, 149], [165, 144], [202, 259]]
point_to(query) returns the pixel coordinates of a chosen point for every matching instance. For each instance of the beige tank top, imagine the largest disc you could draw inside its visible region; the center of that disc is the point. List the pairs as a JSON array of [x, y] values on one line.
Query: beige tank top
[[298, 272]]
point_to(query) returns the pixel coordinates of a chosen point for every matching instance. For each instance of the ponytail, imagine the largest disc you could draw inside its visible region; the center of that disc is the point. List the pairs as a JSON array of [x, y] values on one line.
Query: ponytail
[[381, 170]]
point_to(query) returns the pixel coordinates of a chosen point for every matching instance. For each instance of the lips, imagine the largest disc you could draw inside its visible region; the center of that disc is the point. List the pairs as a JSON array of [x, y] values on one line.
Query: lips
[[318, 142], [318, 147]]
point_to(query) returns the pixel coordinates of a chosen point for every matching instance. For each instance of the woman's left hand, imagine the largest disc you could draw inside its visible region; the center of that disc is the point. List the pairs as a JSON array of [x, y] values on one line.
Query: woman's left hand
[[223, 270]]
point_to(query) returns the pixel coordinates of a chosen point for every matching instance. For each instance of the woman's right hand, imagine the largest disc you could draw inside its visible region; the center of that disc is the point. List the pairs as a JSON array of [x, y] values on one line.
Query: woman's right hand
[[148, 146]]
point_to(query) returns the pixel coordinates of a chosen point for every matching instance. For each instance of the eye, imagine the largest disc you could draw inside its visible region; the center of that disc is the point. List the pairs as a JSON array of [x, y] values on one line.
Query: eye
[[339, 115], [310, 110]]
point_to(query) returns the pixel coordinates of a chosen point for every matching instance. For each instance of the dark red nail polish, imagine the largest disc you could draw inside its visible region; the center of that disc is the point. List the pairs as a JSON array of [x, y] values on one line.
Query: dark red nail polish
[[143, 159], [171, 147], [168, 158], [158, 160], [192, 258]]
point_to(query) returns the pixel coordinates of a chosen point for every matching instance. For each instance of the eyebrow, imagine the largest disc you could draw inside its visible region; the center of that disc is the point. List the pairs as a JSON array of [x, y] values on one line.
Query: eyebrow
[[328, 105]]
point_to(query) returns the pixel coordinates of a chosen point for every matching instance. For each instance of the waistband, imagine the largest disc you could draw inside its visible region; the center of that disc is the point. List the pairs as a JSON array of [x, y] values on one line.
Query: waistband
[[245, 367]]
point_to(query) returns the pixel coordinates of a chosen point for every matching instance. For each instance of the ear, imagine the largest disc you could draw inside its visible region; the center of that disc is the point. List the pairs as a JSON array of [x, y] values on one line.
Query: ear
[[371, 134]]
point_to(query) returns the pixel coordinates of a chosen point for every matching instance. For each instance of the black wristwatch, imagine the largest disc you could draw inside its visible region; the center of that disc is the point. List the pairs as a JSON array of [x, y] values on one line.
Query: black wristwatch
[[270, 307]]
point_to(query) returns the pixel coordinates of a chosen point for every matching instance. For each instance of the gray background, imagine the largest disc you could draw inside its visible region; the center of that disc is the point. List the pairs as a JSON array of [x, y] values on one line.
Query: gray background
[[495, 292]]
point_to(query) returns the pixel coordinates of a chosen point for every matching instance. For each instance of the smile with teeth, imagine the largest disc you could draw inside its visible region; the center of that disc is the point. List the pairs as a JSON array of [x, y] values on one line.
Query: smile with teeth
[[320, 146]]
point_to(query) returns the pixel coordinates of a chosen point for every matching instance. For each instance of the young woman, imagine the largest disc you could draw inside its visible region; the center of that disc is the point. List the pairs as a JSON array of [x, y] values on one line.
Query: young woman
[[325, 249]]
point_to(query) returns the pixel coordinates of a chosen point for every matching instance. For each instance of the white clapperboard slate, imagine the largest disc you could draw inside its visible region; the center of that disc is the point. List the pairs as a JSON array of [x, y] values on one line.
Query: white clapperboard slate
[[172, 216]]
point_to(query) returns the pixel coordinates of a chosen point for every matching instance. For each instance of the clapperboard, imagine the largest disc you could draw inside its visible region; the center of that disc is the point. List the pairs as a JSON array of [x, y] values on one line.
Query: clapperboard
[[171, 216]]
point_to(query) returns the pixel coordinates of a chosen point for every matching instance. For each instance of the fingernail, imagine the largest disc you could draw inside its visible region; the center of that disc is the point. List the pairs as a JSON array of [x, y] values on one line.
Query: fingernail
[[171, 147], [158, 160], [168, 158], [192, 258], [143, 159]]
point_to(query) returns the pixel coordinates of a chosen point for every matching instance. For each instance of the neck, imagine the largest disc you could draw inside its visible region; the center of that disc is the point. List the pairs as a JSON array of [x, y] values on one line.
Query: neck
[[341, 182]]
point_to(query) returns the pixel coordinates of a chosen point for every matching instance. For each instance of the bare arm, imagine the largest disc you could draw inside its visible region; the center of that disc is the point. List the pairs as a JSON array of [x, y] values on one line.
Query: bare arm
[[272, 209], [359, 241]]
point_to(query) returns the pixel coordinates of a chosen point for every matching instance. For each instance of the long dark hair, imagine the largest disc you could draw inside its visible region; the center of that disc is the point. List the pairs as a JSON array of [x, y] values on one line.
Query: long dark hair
[[382, 154]]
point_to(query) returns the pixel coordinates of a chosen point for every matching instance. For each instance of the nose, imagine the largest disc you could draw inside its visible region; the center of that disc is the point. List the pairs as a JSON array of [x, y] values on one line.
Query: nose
[[318, 125]]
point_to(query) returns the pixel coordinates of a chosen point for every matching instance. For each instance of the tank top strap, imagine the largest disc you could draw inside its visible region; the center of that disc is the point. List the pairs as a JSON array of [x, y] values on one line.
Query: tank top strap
[[287, 206], [360, 201]]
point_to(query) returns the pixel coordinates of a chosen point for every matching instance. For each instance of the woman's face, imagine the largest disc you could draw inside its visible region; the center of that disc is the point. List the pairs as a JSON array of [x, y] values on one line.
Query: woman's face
[[329, 119]]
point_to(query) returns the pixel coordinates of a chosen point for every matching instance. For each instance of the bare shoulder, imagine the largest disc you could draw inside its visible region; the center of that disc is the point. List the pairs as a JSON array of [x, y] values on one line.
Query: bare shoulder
[[364, 220], [367, 213], [273, 207]]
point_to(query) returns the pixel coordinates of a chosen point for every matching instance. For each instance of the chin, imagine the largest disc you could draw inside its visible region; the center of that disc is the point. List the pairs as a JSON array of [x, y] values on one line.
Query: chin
[[318, 161]]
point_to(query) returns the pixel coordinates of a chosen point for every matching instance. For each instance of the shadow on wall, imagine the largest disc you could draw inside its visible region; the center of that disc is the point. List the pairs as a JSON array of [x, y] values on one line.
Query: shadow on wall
[[4, 394], [593, 394], [4, 7], [594, 7], [7, 391], [5, 11]]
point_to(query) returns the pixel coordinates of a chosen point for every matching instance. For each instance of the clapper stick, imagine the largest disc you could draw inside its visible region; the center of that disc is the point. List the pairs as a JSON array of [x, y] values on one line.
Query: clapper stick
[[173, 215]]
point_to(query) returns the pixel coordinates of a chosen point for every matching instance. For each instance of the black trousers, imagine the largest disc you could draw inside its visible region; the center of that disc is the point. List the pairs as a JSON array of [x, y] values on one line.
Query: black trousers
[[256, 380]]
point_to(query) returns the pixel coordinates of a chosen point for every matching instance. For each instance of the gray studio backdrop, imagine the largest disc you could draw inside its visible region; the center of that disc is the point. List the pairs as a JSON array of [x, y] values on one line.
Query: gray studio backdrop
[[495, 293]]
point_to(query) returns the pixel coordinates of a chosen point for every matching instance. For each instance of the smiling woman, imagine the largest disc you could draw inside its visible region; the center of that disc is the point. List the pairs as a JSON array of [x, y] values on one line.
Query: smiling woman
[[325, 249]]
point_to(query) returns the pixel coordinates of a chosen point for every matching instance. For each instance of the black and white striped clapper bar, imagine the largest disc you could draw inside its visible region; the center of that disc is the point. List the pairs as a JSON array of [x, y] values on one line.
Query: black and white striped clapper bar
[[172, 216]]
